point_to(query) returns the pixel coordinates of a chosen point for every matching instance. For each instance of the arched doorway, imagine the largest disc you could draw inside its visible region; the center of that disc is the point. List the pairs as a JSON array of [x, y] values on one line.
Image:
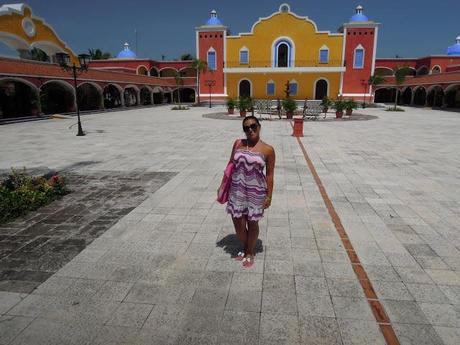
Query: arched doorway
[[158, 95], [452, 98], [385, 95], [321, 89], [244, 88], [420, 96], [406, 96], [435, 96], [89, 97], [282, 54], [142, 70], [146, 96], [57, 97], [18, 99], [130, 95], [112, 96]]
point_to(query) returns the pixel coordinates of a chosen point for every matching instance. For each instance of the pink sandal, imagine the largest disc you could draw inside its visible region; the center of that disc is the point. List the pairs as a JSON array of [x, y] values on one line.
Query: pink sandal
[[239, 256], [248, 262]]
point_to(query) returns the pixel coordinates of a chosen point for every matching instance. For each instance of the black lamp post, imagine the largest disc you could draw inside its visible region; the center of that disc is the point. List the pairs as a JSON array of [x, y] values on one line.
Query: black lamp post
[[210, 83], [63, 59]]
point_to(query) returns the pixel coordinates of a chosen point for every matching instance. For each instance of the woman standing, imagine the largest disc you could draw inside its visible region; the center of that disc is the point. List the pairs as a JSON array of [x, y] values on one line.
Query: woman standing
[[250, 191]]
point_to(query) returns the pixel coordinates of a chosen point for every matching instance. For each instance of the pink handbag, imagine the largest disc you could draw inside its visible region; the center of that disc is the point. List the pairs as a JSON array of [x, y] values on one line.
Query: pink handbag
[[224, 190]]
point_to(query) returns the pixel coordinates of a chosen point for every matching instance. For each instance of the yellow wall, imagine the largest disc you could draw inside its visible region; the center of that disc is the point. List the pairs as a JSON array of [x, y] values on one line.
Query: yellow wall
[[302, 32], [305, 84]]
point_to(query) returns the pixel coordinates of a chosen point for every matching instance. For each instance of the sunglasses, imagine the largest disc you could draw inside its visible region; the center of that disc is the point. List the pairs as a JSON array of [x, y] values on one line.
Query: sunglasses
[[252, 127]]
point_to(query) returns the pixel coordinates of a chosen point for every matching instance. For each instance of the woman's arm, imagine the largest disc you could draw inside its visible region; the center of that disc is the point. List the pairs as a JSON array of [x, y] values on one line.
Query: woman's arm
[[236, 144], [270, 170]]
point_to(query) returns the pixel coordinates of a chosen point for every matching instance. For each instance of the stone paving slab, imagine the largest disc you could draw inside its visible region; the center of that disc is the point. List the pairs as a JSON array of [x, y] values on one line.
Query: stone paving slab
[[163, 274]]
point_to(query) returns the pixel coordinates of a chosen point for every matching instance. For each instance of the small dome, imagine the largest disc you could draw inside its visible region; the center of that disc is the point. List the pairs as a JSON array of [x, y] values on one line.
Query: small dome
[[213, 20], [359, 16], [126, 53], [454, 49]]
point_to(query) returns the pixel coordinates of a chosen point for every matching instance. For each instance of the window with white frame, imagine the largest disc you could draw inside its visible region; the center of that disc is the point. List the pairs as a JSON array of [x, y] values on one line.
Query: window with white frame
[[212, 60], [293, 88], [358, 60], [244, 55], [324, 54], [270, 88], [283, 53]]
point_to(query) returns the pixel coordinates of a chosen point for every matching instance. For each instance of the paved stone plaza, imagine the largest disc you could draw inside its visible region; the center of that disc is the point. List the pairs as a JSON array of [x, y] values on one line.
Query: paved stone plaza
[[163, 273]]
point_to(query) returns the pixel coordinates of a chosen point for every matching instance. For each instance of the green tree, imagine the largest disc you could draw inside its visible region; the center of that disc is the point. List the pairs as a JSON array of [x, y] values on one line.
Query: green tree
[[400, 76], [97, 54], [186, 57], [179, 84], [201, 67], [375, 80], [38, 55]]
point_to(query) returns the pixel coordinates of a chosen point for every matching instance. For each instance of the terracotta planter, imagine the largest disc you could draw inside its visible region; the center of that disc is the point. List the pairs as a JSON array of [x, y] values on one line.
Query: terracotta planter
[[242, 113], [231, 111], [338, 114], [289, 114], [349, 112]]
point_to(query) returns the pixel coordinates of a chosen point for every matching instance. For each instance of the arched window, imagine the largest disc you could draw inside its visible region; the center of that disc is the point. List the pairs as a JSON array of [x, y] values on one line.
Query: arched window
[[293, 88], [324, 54], [436, 69], [358, 60], [244, 55], [321, 88], [212, 59], [244, 88], [283, 53], [270, 88]]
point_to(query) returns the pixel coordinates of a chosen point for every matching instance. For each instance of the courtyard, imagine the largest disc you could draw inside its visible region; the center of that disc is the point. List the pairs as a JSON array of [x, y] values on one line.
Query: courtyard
[[158, 269]]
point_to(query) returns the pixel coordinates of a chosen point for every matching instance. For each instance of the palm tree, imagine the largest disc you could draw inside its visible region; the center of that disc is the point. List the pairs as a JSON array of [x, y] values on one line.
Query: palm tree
[[375, 80], [186, 57], [179, 84], [400, 76], [201, 67], [97, 54]]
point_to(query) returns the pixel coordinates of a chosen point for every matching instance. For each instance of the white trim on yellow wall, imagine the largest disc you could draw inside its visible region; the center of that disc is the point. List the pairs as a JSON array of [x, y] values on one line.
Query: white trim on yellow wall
[[284, 70]]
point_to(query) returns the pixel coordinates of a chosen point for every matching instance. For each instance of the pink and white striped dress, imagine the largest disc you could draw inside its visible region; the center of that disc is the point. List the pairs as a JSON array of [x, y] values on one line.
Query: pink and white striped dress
[[248, 189]]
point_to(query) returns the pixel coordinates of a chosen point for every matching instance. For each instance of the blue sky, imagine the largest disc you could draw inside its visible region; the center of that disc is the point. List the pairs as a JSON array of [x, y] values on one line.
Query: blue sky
[[409, 28]]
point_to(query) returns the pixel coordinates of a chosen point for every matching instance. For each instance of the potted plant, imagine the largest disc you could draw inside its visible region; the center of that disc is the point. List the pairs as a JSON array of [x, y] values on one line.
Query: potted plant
[[339, 105], [244, 104], [231, 105], [326, 103], [289, 105], [349, 106]]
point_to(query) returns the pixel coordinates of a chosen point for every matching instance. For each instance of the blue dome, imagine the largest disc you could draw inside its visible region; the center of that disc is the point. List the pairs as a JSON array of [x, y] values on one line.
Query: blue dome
[[213, 20], [126, 53], [454, 49], [359, 16]]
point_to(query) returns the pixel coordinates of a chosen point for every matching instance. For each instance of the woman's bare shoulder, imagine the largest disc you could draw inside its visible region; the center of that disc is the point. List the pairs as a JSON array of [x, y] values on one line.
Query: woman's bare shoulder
[[268, 149]]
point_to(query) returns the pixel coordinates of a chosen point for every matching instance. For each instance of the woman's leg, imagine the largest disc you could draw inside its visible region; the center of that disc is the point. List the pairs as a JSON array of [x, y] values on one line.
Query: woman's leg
[[253, 235], [241, 231]]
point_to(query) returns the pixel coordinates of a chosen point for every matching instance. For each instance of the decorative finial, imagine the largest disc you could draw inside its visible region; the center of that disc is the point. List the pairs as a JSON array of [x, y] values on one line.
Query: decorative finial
[[213, 14], [359, 9], [126, 45], [458, 39]]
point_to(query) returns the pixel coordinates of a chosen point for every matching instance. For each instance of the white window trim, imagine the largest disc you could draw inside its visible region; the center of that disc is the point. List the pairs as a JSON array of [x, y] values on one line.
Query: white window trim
[[274, 87], [291, 51], [324, 47], [439, 67], [314, 86], [212, 50], [354, 57], [244, 49], [293, 81]]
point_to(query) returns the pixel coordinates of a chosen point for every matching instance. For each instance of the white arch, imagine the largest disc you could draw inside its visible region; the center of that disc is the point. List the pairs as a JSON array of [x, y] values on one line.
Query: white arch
[[49, 48], [167, 68], [156, 69], [327, 86], [97, 86], [146, 69], [63, 83], [238, 86], [452, 86], [118, 87], [417, 71], [158, 89], [291, 50], [436, 66], [432, 87], [384, 67], [34, 88], [131, 86]]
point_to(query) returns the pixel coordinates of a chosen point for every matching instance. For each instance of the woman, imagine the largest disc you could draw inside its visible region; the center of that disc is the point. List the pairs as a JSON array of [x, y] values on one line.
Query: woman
[[250, 191]]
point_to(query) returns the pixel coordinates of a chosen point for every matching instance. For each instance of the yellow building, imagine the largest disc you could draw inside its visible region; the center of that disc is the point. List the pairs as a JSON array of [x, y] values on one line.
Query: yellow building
[[285, 49]]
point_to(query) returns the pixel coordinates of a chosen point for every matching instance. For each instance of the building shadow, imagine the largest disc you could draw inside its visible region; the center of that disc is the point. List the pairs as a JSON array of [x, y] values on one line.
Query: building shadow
[[231, 245]]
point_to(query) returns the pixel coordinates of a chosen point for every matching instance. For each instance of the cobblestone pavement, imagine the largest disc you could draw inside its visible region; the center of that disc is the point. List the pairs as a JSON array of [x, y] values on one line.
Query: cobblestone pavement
[[163, 273], [36, 246]]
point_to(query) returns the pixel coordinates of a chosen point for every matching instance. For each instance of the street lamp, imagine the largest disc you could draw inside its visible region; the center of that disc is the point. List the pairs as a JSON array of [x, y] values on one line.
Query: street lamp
[[210, 83], [63, 59]]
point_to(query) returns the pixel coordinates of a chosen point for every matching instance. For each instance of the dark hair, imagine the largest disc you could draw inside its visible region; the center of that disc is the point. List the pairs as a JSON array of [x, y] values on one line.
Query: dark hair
[[250, 117]]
